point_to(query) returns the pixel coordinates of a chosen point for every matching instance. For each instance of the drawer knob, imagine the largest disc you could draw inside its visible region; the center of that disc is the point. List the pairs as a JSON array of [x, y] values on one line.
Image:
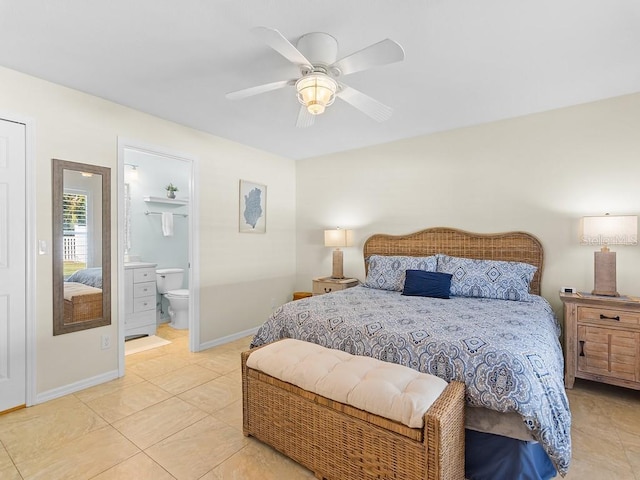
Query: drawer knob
[[604, 317], [581, 348], [327, 290]]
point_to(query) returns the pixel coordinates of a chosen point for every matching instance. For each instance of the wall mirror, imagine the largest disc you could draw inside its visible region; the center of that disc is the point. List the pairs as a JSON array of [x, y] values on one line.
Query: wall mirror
[[81, 246]]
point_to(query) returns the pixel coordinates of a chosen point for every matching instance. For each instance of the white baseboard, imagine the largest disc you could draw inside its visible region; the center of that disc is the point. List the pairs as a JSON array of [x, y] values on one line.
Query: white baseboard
[[75, 387], [113, 374], [227, 339]]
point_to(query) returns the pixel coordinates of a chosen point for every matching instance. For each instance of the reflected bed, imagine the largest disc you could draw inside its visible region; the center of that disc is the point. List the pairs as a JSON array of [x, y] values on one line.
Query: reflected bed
[[81, 302]]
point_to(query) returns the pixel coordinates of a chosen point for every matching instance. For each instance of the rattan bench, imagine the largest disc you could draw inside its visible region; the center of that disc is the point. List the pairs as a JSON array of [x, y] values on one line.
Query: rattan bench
[[339, 442]]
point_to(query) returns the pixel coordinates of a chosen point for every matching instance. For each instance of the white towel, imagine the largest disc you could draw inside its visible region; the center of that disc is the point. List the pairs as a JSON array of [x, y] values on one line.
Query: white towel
[[167, 224]]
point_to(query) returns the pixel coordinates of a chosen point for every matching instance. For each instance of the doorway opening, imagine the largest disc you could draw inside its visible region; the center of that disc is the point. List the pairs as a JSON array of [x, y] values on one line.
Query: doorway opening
[[158, 277]]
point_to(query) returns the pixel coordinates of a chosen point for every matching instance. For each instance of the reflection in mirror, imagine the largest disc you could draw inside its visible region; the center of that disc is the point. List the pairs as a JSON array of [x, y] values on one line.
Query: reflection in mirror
[[81, 246]]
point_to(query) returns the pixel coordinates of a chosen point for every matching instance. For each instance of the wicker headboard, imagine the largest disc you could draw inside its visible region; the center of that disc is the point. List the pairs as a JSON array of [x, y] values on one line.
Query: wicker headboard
[[510, 246]]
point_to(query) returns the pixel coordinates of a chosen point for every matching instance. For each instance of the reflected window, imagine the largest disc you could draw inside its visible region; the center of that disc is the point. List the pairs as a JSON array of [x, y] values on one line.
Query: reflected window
[[74, 220]]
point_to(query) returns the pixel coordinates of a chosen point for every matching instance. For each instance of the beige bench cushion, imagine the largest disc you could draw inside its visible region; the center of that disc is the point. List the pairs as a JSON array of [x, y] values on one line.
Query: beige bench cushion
[[386, 389]]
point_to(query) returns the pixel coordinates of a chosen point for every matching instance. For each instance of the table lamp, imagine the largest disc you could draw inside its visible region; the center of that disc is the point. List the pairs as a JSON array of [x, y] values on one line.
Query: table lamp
[[338, 238], [607, 230]]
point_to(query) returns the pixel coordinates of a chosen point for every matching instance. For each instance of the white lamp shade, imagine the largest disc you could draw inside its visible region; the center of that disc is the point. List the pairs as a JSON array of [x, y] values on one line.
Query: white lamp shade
[[338, 238], [609, 230]]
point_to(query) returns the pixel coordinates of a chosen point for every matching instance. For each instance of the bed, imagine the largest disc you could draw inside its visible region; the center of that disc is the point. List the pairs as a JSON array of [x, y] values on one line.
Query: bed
[[83, 295], [507, 352], [81, 302], [89, 276]]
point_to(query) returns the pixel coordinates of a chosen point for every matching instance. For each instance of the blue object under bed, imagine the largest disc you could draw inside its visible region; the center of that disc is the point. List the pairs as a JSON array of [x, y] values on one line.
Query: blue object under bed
[[494, 457]]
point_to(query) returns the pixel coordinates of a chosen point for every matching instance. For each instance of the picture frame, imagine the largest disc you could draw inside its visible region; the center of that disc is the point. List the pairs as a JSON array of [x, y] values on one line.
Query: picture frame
[[252, 213]]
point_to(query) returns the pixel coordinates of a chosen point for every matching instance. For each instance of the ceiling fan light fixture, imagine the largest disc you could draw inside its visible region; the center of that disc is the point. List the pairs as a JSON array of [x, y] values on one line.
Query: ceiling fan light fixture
[[316, 91]]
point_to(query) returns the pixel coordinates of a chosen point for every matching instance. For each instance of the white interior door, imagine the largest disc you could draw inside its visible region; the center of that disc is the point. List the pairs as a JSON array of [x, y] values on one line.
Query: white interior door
[[13, 318]]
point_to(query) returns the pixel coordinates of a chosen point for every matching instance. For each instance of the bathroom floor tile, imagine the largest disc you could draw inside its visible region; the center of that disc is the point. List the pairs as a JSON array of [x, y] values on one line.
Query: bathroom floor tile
[[158, 421], [127, 401], [194, 451], [170, 333]]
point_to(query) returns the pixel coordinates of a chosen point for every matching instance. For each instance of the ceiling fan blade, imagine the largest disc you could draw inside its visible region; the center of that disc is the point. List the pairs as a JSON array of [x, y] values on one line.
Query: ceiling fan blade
[[367, 105], [248, 92], [305, 119], [381, 53], [284, 47]]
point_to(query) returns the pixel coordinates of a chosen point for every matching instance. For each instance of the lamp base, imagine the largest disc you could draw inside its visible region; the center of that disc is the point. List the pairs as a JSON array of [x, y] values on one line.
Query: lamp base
[[604, 278], [337, 264], [605, 294]]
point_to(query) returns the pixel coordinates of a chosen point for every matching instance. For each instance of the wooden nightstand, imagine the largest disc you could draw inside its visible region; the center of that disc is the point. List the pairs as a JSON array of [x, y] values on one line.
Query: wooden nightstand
[[602, 339], [322, 285]]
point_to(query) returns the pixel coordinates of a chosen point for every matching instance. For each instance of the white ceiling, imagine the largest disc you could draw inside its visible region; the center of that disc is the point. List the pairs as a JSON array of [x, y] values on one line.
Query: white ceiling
[[467, 61]]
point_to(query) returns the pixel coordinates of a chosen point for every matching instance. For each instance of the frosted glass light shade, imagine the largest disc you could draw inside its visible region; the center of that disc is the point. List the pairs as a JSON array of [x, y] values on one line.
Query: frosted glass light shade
[[316, 91]]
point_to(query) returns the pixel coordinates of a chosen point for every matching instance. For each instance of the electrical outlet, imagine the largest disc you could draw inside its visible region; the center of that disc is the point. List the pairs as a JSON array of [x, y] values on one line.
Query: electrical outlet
[[105, 342]]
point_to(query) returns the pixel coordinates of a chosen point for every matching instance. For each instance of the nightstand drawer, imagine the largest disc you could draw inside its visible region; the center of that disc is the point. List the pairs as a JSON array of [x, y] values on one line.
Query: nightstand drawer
[[320, 288], [599, 315], [324, 285]]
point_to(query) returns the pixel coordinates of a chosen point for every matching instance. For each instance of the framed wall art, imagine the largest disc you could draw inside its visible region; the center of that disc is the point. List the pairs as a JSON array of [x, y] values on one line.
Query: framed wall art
[[253, 207]]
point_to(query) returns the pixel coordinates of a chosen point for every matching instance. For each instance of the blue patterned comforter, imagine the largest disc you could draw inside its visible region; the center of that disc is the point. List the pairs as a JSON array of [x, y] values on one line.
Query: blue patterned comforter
[[507, 353]]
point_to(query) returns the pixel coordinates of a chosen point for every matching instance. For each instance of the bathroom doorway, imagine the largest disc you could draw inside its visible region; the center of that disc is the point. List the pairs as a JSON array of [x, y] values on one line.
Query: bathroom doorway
[[157, 231]]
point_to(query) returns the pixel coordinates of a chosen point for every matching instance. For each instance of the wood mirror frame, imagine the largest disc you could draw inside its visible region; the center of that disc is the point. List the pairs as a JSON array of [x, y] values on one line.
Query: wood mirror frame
[[86, 306]]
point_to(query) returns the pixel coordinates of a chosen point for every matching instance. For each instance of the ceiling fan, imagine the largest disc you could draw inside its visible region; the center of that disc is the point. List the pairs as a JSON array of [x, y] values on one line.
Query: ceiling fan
[[318, 86]]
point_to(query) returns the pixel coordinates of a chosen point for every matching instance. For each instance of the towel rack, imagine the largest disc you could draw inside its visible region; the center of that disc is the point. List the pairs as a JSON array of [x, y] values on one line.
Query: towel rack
[[160, 213]]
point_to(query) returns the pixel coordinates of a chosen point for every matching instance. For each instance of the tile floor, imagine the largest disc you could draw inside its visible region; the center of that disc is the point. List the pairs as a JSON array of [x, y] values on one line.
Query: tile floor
[[178, 415]]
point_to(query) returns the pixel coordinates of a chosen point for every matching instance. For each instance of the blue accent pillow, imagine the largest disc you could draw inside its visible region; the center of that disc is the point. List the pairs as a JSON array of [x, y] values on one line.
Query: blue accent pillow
[[386, 272], [427, 284], [488, 278]]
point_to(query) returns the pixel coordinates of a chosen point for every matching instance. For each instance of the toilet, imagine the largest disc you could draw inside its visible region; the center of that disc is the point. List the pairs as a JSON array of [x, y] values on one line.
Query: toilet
[[169, 281]]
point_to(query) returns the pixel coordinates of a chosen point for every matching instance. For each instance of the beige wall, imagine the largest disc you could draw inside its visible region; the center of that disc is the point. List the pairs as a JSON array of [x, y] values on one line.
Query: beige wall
[[253, 271], [538, 173]]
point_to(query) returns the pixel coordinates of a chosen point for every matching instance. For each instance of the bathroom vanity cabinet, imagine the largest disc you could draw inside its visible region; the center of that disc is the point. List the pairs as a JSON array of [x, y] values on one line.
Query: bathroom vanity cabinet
[[139, 299]]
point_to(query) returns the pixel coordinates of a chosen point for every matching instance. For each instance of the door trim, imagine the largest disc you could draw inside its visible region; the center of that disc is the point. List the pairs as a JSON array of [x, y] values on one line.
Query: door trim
[[194, 250], [30, 260]]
